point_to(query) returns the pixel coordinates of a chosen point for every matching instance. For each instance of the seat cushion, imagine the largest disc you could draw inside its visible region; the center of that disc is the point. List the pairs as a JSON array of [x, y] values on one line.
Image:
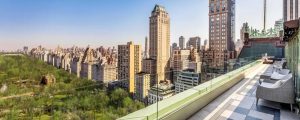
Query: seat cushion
[[277, 76], [284, 71], [271, 85], [266, 85]]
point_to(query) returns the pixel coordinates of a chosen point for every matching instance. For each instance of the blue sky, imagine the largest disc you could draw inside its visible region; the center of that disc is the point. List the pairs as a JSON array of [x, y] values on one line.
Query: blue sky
[[111, 22]]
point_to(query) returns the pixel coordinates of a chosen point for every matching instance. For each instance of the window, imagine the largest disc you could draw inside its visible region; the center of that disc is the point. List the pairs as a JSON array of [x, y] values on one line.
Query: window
[[212, 7], [223, 6], [218, 7]]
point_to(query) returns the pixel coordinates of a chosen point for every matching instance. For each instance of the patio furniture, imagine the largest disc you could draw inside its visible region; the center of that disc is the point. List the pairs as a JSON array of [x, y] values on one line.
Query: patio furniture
[[275, 76], [281, 91], [267, 74]]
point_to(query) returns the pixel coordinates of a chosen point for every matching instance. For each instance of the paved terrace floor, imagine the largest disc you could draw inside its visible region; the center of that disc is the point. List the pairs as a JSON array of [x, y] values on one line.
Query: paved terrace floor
[[239, 103]]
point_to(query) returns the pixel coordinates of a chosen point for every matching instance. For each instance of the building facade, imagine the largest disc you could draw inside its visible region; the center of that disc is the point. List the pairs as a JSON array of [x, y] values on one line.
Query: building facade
[[142, 85], [290, 10], [180, 59], [186, 80], [146, 52], [129, 63], [181, 42], [221, 32], [194, 42], [150, 68], [160, 41], [159, 92]]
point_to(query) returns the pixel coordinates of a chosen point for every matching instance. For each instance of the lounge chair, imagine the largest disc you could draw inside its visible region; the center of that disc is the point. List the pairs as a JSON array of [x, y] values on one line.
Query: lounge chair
[[281, 91]]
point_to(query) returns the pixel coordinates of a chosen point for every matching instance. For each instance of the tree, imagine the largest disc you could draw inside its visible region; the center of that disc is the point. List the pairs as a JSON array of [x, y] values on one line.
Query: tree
[[117, 96]]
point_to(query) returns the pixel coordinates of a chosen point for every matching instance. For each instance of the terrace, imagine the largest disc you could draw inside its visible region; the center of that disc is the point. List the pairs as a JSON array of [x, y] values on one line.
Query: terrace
[[230, 96]]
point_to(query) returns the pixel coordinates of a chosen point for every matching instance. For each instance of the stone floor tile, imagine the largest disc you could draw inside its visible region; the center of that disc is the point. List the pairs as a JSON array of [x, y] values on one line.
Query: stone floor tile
[[260, 115], [233, 115]]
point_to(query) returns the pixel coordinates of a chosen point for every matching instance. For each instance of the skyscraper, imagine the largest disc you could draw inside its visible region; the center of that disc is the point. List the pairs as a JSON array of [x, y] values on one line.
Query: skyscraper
[[222, 24], [221, 31], [243, 30], [146, 53], [194, 42], [290, 10], [129, 63], [181, 42], [206, 46], [160, 40], [174, 45]]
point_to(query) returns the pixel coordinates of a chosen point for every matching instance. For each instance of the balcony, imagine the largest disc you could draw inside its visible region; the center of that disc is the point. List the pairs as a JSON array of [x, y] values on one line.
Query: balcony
[[230, 96]]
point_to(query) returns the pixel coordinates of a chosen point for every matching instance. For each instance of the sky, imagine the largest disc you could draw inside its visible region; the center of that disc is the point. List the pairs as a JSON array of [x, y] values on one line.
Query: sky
[[111, 22]]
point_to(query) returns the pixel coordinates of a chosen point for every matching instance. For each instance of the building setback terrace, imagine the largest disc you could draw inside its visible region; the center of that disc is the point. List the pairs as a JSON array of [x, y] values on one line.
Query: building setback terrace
[[230, 96], [239, 103]]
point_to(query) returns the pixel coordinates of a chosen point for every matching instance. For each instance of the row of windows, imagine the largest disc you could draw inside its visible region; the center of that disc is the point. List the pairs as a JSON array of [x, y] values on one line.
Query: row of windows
[[218, 6], [218, 30]]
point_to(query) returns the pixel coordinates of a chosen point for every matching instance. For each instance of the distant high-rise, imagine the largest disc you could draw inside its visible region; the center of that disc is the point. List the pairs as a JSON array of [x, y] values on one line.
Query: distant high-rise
[[146, 53], [174, 45], [160, 40], [181, 42], [194, 42], [291, 10], [206, 46], [180, 60], [243, 31], [129, 63], [221, 31]]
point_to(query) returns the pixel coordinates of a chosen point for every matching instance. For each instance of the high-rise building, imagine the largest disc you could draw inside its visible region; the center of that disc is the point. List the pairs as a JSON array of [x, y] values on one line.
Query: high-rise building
[[160, 41], [206, 45], [129, 63], [291, 10], [149, 68], [243, 30], [194, 42], [181, 42], [146, 53], [142, 86], [174, 45], [106, 72], [222, 24], [278, 26], [221, 32], [185, 59], [180, 59], [86, 64]]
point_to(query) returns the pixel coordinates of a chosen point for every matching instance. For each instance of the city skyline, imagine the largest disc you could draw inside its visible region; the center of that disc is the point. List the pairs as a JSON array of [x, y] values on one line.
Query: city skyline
[[106, 23]]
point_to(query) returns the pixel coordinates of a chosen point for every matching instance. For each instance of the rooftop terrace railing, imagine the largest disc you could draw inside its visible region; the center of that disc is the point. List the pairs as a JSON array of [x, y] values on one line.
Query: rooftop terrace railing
[[185, 104]]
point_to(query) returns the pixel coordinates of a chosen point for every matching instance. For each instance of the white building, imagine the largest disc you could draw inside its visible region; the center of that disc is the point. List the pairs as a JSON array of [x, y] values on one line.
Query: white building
[[187, 79], [159, 92]]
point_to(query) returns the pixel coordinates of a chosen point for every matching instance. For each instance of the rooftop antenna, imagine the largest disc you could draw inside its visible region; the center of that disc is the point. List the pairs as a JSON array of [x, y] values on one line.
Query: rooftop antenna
[[265, 14]]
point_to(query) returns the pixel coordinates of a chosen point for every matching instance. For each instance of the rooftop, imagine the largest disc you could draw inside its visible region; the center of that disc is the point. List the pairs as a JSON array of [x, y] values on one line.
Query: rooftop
[[239, 102], [230, 96], [158, 8]]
